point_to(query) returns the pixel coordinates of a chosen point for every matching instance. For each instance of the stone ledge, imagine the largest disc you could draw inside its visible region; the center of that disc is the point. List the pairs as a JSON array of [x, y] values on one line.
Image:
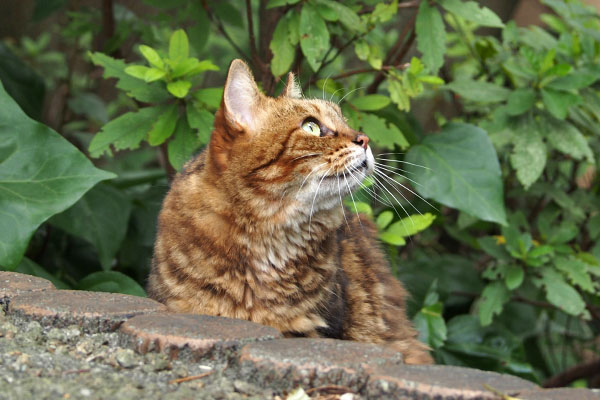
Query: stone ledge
[[13, 284], [560, 394], [92, 311], [190, 336]]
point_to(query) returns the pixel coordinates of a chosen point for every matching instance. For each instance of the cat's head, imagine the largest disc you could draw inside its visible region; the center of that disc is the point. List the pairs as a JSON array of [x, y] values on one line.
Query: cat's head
[[285, 146]]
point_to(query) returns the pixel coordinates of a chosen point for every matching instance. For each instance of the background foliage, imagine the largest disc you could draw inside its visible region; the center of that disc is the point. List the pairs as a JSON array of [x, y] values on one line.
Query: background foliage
[[492, 219]]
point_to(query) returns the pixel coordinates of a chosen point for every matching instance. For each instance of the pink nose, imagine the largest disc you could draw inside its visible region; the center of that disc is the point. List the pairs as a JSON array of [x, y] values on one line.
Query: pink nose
[[361, 140]]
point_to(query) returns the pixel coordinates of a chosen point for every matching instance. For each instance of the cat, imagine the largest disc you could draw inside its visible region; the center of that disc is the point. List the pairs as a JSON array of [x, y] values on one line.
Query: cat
[[254, 227]]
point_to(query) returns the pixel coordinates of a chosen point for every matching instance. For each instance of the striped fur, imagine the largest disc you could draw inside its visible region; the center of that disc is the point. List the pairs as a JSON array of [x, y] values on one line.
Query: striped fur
[[253, 228]]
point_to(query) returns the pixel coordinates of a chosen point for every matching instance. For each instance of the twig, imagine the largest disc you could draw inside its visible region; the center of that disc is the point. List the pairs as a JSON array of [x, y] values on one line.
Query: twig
[[569, 375], [256, 60], [221, 29], [164, 151], [191, 378]]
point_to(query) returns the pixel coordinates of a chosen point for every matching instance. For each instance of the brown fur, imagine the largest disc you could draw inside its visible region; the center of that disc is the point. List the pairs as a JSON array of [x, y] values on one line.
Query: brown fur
[[243, 234]]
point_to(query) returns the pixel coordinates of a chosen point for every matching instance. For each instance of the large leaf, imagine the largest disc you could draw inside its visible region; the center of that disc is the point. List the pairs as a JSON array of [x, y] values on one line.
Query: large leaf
[[314, 36], [282, 48], [41, 174], [111, 281], [461, 170], [431, 36], [101, 218], [471, 11]]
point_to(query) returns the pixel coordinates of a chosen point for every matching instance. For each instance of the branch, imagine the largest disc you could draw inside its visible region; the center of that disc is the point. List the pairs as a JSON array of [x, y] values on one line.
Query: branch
[[256, 60], [221, 29], [569, 375]]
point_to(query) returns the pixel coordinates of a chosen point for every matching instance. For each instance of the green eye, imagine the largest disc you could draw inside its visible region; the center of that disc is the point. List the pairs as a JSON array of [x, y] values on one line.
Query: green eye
[[312, 128]]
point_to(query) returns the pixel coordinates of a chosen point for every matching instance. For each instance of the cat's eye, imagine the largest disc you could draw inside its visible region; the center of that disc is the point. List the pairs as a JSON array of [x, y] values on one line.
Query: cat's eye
[[311, 127]]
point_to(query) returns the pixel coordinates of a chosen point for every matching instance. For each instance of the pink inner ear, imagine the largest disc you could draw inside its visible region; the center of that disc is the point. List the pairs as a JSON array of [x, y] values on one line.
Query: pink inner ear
[[241, 94]]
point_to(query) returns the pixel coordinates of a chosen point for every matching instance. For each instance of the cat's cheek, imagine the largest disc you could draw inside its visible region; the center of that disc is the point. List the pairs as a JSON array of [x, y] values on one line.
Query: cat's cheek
[[370, 161]]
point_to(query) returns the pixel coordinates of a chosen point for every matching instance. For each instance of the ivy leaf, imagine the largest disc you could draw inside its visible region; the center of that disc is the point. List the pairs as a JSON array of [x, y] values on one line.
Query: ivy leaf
[[183, 145], [41, 174], [112, 282], [101, 218], [179, 88], [431, 36], [558, 102], [577, 272], [164, 126], [179, 47], [493, 298], [371, 102], [561, 294], [383, 133], [314, 36], [283, 50], [431, 325], [477, 91], [133, 87], [529, 153], [461, 170], [471, 11], [566, 138], [124, 132]]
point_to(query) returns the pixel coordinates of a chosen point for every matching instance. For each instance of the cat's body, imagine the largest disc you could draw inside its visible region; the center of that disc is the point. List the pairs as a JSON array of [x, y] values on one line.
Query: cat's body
[[253, 228]]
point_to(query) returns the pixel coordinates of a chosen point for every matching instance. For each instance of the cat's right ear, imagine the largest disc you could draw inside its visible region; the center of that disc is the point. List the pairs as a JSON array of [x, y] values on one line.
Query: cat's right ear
[[292, 89], [240, 96]]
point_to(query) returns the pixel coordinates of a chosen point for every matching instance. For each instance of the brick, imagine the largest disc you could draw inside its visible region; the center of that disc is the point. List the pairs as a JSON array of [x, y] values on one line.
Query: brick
[[286, 363], [92, 311], [441, 382], [560, 394], [192, 336], [13, 284]]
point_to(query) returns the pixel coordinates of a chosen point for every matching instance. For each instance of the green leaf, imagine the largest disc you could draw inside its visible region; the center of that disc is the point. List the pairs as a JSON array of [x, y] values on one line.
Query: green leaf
[[359, 207], [152, 56], [202, 120], [384, 219], [529, 153], [209, 96], [112, 282], [558, 102], [477, 91], [279, 3], [41, 174], [411, 225], [281, 47], [362, 49], [133, 87], [137, 71], [431, 325], [381, 132], [164, 126], [371, 102], [314, 36], [471, 11], [490, 245], [577, 272], [383, 12], [179, 88], [179, 47], [520, 101], [183, 145], [124, 132], [392, 238], [493, 298], [461, 171], [101, 218], [561, 294], [514, 277], [431, 36], [566, 138], [191, 66], [346, 16], [154, 74]]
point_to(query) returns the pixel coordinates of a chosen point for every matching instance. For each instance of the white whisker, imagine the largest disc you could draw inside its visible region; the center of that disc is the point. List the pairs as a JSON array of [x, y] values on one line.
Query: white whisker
[[313, 202], [341, 201], [408, 189], [352, 91], [391, 171], [304, 181], [405, 162], [354, 202]]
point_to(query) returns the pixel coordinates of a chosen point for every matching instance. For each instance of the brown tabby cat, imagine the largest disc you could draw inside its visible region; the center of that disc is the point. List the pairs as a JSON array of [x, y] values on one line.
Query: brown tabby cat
[[253, 227]]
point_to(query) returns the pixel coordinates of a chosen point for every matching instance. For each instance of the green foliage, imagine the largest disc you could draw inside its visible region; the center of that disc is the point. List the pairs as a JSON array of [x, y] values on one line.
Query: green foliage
[[485, 193]]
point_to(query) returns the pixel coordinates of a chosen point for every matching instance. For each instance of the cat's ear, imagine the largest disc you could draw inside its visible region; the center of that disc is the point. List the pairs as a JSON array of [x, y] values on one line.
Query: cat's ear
[[240, 95], [292, 89]]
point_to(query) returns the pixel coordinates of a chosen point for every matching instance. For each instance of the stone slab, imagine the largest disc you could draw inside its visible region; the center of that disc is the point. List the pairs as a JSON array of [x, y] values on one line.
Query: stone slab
[[287, 363], [13, 284], [192, 336], [92, 311], [560, 394], [441, 382]]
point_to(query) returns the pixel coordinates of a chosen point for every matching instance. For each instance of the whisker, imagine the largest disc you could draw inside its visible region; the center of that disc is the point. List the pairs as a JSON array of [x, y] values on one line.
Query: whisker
[[304, 181], [352, 91], [341, 202], [397, 201], [354, 202], [385, 154], [405, 162], [369, 190], [325, 83], [333, 94], [407, 188], [313, 202], [385, 168]]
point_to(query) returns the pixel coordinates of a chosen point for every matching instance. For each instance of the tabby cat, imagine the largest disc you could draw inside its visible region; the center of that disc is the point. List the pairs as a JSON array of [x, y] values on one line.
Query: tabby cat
[[254, 228]]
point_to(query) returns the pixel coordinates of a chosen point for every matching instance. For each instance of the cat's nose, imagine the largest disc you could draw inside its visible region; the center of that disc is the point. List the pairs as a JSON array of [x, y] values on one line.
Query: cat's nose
[[361, 140]]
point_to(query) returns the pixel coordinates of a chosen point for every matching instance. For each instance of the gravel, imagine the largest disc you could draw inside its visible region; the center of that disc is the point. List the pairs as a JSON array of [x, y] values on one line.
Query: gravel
[[38, 362]]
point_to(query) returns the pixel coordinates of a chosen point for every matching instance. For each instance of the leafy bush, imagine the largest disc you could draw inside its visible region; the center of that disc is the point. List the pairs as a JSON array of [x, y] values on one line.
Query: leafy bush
[[492, 222]]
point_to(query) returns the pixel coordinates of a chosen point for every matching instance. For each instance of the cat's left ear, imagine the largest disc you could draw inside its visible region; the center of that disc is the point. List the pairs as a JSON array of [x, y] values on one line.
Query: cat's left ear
[[240, 95], [292, 89]]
